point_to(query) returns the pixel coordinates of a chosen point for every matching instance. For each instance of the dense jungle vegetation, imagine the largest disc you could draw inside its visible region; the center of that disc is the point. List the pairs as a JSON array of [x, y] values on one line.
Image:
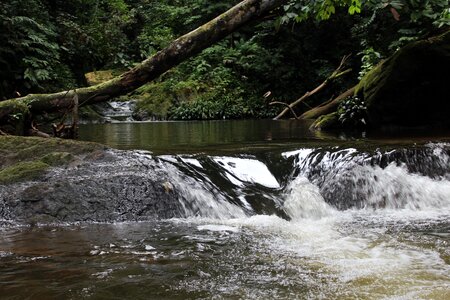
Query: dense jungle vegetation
[[49, 45]]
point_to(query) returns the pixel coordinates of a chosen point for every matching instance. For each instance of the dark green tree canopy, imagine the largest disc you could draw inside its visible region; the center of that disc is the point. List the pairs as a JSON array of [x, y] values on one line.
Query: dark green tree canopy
[[48, 45]]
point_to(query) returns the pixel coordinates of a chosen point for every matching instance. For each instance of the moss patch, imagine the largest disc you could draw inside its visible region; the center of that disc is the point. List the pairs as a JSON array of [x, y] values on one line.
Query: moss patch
[[97, 77], [14, 105], [29, 147], [153, 101], [372, 79], [58, 158], [23, 171], [324, 122], [24, 158]]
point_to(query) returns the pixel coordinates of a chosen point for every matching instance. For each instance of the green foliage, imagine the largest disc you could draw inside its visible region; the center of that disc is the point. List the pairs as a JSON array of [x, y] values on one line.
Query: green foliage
[[238, 70], [214, 85], [206, 109], [385, 25], [153, 40], [50, 45], [29, 51], [301, 10], [416, 19], [369, 59], [352, 112]]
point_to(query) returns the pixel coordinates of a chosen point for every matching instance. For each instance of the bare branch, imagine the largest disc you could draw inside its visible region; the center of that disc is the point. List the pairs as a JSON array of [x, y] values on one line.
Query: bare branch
[[285, 104], [337, 73]]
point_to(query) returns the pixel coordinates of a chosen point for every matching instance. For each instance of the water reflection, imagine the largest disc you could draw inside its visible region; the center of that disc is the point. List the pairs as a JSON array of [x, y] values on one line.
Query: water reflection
[[239, 135], [172, 136]]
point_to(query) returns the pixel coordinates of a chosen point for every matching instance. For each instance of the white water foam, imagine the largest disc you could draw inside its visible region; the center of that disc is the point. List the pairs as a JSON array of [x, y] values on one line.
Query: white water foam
[[304, 201], [395, 188]]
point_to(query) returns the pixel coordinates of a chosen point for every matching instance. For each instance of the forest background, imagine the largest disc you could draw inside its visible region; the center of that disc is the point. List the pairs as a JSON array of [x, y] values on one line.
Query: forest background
[[50, 45]]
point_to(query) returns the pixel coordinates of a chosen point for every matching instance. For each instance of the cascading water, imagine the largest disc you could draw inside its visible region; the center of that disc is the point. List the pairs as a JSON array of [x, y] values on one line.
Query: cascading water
[[314, 223], [304, 201], [114, 111], [366, 247]]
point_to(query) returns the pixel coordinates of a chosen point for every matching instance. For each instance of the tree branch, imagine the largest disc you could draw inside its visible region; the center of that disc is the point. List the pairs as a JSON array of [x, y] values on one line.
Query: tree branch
[[285, 104], [337, 73], [328, 107]]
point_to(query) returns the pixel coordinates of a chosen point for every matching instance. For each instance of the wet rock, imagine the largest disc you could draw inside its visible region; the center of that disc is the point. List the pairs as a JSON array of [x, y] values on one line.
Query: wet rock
[[347, 177], [81, 181], [107, 186]]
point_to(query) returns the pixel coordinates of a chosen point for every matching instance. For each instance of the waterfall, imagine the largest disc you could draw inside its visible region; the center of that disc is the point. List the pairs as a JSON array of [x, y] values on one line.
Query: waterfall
[[306, 183], [395, 179]]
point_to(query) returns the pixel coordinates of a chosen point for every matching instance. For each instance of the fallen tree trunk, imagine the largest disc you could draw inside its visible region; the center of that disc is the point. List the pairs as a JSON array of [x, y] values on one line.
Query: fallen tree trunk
[[327, 108], [179, 50]]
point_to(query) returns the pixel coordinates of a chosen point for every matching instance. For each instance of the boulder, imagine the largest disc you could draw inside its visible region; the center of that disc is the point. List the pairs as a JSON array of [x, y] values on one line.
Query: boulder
[[411, 88]]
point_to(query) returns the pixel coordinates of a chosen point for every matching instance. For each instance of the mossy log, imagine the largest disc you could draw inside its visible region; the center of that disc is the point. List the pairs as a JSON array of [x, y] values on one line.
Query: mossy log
[[179, 50], [328, 107]]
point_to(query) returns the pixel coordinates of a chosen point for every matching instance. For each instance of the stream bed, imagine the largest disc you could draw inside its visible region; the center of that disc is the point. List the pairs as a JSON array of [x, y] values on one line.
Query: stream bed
[[236, 210]]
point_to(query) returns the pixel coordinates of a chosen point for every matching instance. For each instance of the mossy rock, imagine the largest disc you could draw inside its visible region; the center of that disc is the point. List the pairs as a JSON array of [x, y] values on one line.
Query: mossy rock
[[411, 87], [58, 158], [22, 171], [326, 122], [153, 101], [16, 148], [26, 158]]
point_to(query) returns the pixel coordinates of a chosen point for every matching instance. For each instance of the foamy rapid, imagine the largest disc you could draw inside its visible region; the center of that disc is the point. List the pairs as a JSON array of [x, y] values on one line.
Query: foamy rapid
[[303, 201], [370, 250]]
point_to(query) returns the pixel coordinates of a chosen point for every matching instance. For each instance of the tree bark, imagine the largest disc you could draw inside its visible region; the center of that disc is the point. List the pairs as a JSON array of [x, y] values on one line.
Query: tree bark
[[179, 50]]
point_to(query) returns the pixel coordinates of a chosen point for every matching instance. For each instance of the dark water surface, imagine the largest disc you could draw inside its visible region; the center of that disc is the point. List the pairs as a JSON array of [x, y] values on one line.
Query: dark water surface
[[175, 137], [240, 135], [272, 211]]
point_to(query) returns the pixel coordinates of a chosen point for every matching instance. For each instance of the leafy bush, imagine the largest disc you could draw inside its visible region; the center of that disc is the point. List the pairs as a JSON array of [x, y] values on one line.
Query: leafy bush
[[352, 112], [369, 59], [29, 52]]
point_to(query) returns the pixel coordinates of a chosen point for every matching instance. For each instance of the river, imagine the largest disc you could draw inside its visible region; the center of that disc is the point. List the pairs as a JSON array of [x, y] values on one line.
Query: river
[[268, 210]]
